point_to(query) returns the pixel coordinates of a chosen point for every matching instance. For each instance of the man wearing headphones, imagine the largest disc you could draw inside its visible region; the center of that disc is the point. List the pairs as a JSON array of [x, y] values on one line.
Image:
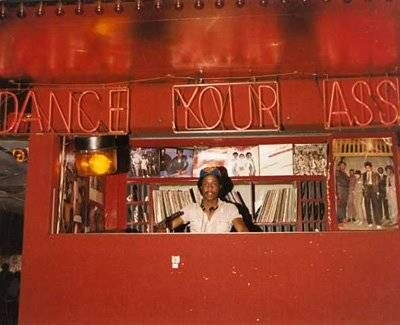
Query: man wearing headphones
[[212, 215]]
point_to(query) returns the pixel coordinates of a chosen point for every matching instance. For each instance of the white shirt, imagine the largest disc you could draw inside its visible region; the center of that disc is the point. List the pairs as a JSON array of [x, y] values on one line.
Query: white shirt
[[221, 219]]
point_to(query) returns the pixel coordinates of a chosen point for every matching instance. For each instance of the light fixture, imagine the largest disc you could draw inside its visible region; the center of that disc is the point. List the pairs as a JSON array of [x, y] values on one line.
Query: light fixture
[[79, 8], [40, 9], [99, 8], [178, 5], [199, 4], [158, 4], [139, 5], [118, 7], [263, 3], [60, 10], [240, 3], [101, 155], [219, 4], [20, 154], [3, 11], [21, 10]]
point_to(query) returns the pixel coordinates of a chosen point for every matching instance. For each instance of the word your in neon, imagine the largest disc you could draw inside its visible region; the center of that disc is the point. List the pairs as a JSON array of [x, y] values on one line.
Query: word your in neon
[[219, 107]]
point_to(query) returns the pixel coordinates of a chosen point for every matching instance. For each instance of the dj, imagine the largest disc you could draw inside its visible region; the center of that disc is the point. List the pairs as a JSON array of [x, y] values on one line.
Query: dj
[[212, 215]]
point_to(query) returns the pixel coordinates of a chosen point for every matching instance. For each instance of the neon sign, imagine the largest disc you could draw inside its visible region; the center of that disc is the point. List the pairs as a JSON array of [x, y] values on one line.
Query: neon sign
[[66, 111], [213, 107], [360, 103]]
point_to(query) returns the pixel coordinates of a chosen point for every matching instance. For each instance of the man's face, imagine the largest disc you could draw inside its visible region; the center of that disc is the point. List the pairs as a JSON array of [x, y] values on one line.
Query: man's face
[[210, 188], [368, 168], [342, 167], [380, 170]]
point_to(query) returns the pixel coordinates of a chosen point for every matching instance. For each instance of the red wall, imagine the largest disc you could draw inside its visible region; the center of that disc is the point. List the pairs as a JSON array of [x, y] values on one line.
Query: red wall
[[337, 277], [299, 37]]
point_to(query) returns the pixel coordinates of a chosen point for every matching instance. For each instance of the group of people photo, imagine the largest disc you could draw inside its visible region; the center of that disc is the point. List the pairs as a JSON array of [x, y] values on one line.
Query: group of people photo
[[365, 197], [310, 159]]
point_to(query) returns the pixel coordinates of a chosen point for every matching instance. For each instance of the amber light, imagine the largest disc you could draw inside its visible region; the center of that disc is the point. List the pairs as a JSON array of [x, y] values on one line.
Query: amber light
[[20, 154], [101, 155], [96, 163]]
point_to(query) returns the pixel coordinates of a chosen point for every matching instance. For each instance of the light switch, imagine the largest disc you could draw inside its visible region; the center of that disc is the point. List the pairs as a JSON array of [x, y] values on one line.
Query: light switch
[[175, 260]]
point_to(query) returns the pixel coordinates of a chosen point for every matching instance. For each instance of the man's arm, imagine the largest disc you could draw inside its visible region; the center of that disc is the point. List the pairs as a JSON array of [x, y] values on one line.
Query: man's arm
[[239, 225]]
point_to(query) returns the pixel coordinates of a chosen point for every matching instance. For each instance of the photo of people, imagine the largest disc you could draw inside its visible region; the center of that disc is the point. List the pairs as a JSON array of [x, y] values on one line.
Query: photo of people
[[176, 162], [144, 162], [239, 161], [310, 159], [365, 184]]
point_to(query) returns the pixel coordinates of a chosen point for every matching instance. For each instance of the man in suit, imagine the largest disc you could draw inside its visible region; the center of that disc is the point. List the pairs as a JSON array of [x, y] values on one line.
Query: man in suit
[[371, 194], [382, 198], [342, 191]]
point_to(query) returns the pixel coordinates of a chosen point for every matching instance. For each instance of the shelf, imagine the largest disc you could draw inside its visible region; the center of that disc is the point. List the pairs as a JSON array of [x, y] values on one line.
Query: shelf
[[253, 179], [161, 180]]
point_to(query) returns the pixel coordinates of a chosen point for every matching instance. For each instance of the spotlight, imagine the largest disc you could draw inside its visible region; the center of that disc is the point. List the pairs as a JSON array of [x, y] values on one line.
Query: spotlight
[[118, 7], [199, 4], [40, 9], [219, 4], [178, 5], [240, 3], [139, 5], [263, 3], [3, 11], [158, 4], [79, 8], [60, 10], [21, 10], [99, 8]]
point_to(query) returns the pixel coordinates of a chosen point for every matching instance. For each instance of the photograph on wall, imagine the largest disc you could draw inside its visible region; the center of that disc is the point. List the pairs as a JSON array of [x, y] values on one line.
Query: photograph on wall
[[239, 161], [144, 162], [276, 159], [176, 162], [365, 184], [310, 159]]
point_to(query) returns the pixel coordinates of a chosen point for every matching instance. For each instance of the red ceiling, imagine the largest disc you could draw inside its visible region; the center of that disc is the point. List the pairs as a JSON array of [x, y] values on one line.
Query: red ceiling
[[298, 39]]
